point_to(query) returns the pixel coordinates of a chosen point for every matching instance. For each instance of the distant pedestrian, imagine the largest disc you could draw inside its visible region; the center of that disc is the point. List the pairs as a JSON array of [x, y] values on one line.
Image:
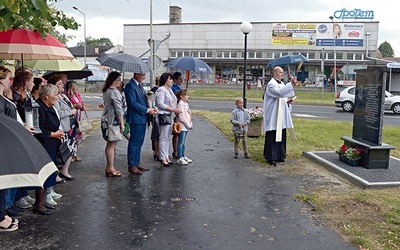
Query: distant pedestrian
[[240, 120]]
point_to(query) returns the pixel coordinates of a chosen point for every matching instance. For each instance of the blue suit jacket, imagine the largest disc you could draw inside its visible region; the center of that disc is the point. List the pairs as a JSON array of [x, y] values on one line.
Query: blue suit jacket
[[136, 102]]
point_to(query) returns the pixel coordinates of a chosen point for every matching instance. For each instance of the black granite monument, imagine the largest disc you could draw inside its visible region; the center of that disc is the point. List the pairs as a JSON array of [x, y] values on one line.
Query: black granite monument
[[368, 118]]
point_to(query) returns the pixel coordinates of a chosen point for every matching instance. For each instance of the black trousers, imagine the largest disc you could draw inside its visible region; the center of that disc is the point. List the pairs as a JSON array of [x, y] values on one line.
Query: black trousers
[[274, 151], [3, 204]]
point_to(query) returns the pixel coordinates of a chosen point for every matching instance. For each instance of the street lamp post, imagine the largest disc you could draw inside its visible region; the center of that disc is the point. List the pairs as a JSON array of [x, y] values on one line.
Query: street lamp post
[[84, 37], [246, 28], [334, 56]]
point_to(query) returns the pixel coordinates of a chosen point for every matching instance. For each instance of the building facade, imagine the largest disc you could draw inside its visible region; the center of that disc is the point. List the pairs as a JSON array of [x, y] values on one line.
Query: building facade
[[221, 45]]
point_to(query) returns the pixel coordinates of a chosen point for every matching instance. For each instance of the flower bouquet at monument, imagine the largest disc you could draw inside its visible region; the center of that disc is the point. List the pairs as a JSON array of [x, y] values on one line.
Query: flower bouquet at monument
[[349, 155]]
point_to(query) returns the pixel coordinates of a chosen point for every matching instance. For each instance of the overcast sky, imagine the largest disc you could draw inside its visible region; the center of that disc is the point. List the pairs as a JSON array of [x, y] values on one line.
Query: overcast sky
[[105, 18]]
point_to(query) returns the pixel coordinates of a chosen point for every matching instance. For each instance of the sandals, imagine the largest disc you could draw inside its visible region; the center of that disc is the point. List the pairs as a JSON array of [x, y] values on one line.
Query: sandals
[[10, 228], [113, 173]]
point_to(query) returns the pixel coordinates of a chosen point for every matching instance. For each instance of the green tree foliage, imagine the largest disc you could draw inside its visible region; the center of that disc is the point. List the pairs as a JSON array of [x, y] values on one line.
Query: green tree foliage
[[34, 15], [99, 41], [386, 49]]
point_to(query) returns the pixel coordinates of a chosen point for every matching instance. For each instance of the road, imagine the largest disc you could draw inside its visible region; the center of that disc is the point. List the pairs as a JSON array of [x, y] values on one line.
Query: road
[[300, 111]]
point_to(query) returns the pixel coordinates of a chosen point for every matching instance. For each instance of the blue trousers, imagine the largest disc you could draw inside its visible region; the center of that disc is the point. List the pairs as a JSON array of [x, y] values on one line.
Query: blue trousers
[[182, 143], [138, 132]]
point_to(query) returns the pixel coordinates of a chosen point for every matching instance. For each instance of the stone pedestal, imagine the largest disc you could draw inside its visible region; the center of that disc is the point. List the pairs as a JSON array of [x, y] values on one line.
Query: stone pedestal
[[373, 156], [256, 128]]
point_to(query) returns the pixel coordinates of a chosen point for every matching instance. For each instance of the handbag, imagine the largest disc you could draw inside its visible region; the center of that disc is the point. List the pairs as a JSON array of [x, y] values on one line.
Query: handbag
[[164, 119], [114, 133], [84, 124], [64, 151], [176, 128]]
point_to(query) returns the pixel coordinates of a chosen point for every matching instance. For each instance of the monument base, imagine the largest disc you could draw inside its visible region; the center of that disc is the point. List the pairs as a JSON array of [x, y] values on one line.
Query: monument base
[[373, 156]]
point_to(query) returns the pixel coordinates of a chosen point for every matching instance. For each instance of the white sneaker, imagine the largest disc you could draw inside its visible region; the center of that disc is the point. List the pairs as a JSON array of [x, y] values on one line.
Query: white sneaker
[[55, 195], [49, 200], [22, 203], [182, 161], [187, 159], [30, 200]]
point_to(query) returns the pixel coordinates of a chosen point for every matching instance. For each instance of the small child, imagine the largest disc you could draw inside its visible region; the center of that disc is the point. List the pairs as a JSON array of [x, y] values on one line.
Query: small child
[[240, 118]]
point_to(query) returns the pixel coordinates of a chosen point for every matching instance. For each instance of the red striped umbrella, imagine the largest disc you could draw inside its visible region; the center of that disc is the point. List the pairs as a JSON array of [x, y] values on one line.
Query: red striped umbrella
[[20, 44]]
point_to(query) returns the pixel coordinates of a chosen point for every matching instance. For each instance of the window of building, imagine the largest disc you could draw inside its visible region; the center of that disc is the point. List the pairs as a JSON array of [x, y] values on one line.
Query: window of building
[[219, 54], [350, 56], [233, 55], [258, 54], [270, 55], [358, 56], [311, 55]]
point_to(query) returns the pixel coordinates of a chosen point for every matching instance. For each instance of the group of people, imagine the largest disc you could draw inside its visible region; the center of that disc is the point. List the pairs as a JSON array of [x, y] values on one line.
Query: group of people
[[60, 107], [130, 106]]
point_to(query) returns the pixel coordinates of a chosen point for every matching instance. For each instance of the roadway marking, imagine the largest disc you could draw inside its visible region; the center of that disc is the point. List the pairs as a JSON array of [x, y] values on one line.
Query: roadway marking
[[305, 115]]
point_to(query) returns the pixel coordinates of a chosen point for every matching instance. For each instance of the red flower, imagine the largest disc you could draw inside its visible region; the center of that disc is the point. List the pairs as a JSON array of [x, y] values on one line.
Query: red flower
[[343, 148]]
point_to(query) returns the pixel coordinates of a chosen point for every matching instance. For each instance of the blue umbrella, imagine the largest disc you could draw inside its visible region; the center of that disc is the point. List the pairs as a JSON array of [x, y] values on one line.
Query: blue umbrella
[[287, 60], [189, 63]]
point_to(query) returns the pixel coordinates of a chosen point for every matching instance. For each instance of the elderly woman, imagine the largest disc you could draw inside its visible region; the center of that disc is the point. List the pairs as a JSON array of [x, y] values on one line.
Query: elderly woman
[[166, 103], [51, 136], [68, 121], [112, 115]]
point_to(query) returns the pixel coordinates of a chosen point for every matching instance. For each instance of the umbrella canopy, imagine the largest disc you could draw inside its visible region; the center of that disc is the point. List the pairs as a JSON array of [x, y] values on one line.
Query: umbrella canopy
[[124, 63], [58, 65], [287, 60], [20, 44], [189, 63], [24, 161], [71, 74]]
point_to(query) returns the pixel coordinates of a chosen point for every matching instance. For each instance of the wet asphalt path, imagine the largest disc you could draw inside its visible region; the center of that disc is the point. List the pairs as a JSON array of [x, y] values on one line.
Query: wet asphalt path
[[216, 202]]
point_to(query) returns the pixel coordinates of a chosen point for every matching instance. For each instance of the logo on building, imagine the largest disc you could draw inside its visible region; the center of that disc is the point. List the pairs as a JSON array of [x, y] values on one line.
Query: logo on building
[[354, 14], [322, 29]]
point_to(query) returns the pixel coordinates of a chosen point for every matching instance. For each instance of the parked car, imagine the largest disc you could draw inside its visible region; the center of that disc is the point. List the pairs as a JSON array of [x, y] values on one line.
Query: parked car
[[345, 100]]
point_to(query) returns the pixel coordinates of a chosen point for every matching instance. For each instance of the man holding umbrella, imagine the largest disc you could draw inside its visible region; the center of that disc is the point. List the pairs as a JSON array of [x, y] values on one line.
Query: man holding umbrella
[[137, 116]]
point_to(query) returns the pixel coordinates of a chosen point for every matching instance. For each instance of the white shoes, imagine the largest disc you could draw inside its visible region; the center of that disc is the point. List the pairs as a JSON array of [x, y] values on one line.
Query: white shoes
[[55, 195], [22, 203], [30, 200], [182, 161], [49, 200], [187, 159]]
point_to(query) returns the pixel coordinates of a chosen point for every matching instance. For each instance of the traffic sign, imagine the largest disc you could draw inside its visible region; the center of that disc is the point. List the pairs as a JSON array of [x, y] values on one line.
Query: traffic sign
[[393, 65]]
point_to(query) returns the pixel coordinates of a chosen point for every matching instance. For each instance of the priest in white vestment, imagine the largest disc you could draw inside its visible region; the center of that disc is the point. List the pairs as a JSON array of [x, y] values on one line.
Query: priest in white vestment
[[277, 119]]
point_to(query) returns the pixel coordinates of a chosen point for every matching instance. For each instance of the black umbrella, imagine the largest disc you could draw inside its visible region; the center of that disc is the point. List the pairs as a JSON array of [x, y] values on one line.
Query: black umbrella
[[124, 63], [24, 161], [71, 74]]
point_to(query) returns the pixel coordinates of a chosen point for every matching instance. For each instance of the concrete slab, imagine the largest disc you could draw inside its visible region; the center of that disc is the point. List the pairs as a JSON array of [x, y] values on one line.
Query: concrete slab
[[367, 178]]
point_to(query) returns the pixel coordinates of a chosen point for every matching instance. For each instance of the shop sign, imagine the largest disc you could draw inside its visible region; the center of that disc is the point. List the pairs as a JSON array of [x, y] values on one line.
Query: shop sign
[[353, 14]]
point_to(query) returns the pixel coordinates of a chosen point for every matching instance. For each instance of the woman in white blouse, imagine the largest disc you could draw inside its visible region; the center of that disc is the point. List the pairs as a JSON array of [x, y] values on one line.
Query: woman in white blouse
[[166, 103]]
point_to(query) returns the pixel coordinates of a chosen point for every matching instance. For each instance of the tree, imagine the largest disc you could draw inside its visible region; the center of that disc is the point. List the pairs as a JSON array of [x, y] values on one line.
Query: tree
[[104, 41], [33, 15], [386, 49]]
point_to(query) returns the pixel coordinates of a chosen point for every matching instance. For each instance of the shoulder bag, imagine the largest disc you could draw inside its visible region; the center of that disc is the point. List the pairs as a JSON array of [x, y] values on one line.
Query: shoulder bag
[[84, 124], [164, 119], [64, 151], [113, 133]]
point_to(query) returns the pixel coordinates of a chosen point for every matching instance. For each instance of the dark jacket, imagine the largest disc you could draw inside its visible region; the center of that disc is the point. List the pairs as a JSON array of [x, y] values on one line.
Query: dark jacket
[[48, 122], [7, 108]]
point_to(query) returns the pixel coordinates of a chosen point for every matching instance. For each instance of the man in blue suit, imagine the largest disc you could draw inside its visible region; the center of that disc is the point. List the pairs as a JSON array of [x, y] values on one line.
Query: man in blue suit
[[137, 115]]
